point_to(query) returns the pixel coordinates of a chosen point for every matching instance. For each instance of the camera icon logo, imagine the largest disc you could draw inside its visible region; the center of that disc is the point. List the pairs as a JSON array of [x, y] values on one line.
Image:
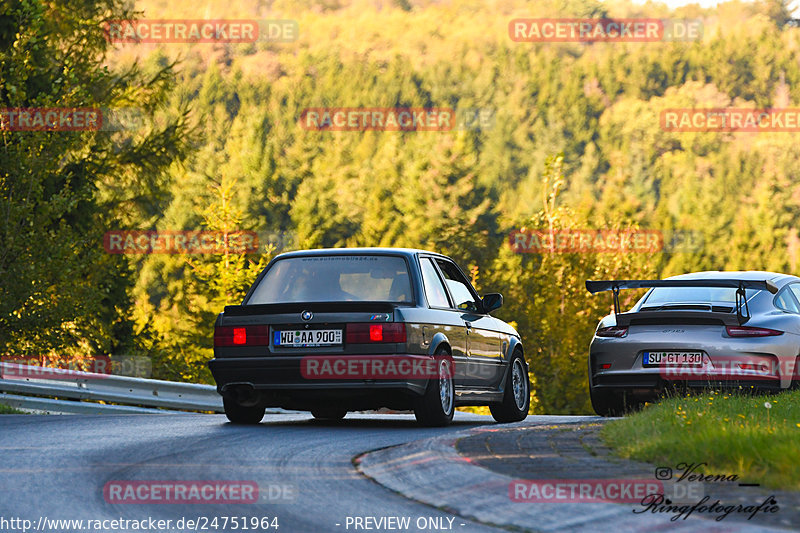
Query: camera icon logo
[[663, 473]]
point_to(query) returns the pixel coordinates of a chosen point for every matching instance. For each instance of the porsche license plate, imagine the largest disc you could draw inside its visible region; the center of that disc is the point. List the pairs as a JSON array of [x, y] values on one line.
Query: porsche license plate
[[672, 358]]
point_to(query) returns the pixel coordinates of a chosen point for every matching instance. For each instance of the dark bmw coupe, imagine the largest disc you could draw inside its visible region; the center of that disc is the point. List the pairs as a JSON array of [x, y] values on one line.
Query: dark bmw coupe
[[338, 330]]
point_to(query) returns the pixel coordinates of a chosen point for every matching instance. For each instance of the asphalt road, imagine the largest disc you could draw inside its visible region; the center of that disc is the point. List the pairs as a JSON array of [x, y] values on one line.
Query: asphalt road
[[56, 467]]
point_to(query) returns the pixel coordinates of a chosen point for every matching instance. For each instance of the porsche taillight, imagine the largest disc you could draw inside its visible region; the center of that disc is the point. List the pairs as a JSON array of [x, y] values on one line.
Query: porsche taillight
[[748, 331], [612, 331]]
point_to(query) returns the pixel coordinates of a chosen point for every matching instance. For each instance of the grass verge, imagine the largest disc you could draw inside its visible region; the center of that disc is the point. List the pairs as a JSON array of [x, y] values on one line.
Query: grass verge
[[754, 437], [6, 410]]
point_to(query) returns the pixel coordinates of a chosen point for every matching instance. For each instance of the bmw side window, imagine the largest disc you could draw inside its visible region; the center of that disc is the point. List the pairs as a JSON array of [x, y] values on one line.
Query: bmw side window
[[434, 290], [785, 301], [458, 287]]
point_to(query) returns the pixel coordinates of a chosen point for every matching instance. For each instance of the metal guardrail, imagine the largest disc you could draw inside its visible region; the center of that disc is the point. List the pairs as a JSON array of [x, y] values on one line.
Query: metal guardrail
[[75, 385], [36, 404]]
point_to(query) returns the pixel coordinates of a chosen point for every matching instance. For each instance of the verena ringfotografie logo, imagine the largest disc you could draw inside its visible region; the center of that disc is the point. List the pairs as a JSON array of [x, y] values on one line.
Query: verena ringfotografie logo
[[180, 492], [590, 30], [730, 120], [583, 490], [179, 242], [200, 31], [376, 367]]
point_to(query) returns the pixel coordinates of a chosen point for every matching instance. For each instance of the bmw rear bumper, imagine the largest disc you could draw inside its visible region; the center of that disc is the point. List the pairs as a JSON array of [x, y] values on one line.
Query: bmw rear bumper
[[293, 376]]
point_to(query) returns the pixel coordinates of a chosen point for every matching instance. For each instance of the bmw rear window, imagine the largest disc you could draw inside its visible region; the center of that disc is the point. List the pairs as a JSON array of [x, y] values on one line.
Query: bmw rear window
[[335, 278]]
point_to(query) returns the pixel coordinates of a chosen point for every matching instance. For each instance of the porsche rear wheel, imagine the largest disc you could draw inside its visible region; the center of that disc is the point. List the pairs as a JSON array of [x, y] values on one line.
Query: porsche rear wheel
[[608, 402]]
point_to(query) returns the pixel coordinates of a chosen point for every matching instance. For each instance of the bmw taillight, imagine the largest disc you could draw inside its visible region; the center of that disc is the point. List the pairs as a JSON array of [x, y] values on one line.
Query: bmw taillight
[[241, 336], [369, 333], [748, 331], [612, 331]]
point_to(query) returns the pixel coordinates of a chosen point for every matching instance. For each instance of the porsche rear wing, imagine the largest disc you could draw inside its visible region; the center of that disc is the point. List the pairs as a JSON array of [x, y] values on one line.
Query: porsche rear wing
[[739, 284]]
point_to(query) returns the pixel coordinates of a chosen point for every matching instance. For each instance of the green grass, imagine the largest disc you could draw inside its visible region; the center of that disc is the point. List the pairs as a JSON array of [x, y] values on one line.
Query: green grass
[[6, 410], [733, 434]]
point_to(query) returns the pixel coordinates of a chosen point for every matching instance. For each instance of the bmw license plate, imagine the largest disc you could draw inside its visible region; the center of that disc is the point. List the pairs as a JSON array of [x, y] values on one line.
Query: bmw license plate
[[307, 337], [672, 358]]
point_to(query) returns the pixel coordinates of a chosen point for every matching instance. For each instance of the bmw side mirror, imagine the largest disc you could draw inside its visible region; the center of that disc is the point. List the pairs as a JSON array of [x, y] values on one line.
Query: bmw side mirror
[[492, 301]]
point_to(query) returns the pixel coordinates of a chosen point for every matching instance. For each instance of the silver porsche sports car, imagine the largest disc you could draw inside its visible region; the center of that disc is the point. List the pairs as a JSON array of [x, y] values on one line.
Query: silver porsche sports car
[[720, 329]]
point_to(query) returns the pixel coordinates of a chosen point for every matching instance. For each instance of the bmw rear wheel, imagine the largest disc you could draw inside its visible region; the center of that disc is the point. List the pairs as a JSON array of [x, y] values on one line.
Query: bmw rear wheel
[[517, 396], [239, 414], [328, 413], [435, 408]]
